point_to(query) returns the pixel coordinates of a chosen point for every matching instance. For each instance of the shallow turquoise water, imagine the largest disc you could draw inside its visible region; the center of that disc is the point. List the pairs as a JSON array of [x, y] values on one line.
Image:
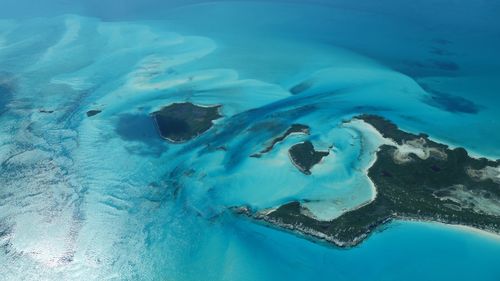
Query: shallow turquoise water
[[104, 198]]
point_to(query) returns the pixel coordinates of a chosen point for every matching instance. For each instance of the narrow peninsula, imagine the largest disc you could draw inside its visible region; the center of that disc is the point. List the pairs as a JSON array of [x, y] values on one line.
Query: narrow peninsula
[[293, 129]]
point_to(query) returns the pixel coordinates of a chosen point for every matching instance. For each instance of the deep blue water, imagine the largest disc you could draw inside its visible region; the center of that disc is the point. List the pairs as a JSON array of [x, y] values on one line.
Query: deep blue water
[[104, 198]]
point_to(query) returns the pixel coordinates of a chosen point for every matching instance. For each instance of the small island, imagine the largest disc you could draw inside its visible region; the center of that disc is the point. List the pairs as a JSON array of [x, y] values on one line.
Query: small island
[[293, 129], [304, 156], [181, 122], [440, 184], [93, 112]]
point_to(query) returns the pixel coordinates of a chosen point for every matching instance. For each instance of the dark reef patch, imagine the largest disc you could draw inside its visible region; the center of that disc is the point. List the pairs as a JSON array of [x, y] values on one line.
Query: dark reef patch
[[452, 103], [301, 87], [445, 65], [181, 122], [441, 41], [448, 102], [440, 52], [6, 91], [434, 66], [304, 156]]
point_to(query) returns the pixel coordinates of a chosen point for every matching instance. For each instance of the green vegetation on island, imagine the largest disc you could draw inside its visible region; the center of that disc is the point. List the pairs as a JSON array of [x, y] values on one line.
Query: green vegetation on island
[[304, 156], [447, 185], [293, 129], [181, 122], [93, 112]]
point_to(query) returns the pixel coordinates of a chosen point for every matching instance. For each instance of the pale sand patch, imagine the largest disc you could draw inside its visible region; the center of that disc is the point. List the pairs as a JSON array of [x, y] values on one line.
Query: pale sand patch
[[468, 229]]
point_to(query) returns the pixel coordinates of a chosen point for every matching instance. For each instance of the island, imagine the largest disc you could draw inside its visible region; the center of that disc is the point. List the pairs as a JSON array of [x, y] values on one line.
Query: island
[[429, 182], [304, 156], [293, 129], [181, 122], [93, 112]]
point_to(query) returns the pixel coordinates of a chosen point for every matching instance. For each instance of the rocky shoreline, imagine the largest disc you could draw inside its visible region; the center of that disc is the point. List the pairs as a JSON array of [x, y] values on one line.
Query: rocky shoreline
[[318, 236]]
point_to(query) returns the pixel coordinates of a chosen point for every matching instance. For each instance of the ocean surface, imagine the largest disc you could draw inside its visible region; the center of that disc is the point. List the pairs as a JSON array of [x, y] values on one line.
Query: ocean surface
[[105, 198]]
